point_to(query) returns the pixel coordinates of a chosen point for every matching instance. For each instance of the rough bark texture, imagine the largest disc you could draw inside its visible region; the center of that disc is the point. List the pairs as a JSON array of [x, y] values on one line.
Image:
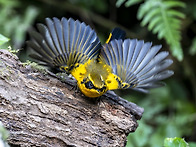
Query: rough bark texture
[[40, 110]]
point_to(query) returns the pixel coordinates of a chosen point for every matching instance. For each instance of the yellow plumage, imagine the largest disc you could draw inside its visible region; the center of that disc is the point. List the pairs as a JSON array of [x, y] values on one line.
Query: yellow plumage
[[96, 73]]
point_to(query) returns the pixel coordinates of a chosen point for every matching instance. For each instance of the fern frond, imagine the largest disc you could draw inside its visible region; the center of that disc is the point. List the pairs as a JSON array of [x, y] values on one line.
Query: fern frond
[[119, 3], [128, 3], [163, 19]]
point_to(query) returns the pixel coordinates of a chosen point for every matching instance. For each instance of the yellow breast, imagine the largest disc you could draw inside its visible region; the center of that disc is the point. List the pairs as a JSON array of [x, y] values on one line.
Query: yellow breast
[[95, 78]]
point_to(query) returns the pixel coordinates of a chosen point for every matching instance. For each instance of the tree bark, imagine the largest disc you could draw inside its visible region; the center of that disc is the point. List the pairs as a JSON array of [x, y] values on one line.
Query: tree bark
[[40, 110]]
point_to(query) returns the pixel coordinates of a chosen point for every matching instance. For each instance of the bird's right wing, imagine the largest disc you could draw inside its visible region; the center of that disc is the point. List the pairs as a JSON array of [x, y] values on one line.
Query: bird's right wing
[[64, 42]]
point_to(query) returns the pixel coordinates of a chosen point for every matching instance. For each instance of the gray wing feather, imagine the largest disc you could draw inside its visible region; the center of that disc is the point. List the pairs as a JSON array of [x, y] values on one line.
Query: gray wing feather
[[46, 38], [53, 34], [64, 42], [137, 63], [39, 42]]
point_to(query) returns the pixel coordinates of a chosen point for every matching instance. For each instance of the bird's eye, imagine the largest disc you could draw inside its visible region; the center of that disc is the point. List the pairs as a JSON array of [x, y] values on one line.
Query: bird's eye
[[89, 85]]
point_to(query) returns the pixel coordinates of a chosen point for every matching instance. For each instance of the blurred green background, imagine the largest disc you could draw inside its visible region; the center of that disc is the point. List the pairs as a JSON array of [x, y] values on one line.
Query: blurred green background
[[169, 111]]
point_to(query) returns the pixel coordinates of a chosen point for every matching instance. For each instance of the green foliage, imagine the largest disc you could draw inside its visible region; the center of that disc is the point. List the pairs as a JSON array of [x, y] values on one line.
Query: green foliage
[[35, 66], [175, 142], [3, 136], [128, 3], [14, 24], [162, 19], [3, 40], [192, 144], [192, 49], [166, 113]]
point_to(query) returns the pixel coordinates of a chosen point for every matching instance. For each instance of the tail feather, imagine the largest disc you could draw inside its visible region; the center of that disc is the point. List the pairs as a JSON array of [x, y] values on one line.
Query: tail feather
[[117, 34]]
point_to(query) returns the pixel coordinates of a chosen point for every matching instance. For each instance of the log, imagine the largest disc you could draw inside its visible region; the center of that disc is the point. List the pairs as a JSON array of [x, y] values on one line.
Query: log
[[38, 109]]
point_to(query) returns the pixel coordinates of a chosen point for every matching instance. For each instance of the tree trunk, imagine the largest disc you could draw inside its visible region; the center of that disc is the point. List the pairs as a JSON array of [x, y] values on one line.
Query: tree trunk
[[40, 110]]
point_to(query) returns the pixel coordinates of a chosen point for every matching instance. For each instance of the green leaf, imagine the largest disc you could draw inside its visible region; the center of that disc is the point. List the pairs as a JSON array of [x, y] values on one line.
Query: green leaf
[[174, 13], [3, 132], [163, 18], [132, 2], [128, 3], [149, 16], [177, 50], [23, 24], [155, 21], [175, 142], [140, 137], [174, 3], [143, 9], [192, 144], [119, 3], [192, 49], [3, 39], [10, 3]]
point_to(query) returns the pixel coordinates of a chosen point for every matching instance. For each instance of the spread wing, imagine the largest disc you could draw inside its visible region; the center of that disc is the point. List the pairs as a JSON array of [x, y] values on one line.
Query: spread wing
[[137, 63], [64, 42]]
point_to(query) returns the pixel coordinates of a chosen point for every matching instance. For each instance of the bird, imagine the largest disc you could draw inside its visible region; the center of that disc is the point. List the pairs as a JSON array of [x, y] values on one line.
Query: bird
[[120, 63]]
